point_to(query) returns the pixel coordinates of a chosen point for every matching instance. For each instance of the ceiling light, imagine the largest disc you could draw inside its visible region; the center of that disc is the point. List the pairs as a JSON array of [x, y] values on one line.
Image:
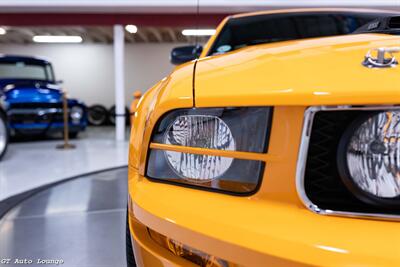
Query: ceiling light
[[2, 31], [57, 39], [131, 28], [198, 32]]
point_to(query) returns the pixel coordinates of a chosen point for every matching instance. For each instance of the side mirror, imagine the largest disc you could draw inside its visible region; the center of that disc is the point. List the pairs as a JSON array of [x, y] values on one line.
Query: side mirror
[[184, 54]]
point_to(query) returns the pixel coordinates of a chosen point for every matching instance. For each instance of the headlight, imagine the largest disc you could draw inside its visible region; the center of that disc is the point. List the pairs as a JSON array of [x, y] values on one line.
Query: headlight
[[76, 114], [369, 158], [199, 131], [211, 130]]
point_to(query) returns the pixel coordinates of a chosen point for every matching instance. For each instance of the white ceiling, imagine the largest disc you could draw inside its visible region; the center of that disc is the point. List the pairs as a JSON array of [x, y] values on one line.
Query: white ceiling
[[175, 6], [100, 34]]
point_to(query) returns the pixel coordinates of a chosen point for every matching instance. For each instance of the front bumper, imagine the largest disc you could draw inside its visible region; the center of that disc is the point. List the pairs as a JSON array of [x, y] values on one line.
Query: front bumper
[[41, 121], [270, 228], [46, 127], [248, 232], [147, 252]]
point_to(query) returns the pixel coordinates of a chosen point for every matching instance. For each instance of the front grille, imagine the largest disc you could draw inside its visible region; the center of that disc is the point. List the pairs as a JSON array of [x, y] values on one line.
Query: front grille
[[34, 115], [26, 113], [34, 118], [322, 183], [35, 105]]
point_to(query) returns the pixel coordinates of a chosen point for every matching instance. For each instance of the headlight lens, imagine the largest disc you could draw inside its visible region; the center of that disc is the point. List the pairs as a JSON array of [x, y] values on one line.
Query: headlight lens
[[76, 114], [372, 158], [199, 131], [228, 129]]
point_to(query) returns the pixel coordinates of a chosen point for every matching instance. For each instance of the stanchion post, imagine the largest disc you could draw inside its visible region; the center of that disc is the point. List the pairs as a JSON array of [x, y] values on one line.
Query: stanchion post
[[66, 144]]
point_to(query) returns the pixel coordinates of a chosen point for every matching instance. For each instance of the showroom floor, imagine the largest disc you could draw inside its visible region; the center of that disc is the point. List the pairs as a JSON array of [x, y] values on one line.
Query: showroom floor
[[33, 163], [81, 222]]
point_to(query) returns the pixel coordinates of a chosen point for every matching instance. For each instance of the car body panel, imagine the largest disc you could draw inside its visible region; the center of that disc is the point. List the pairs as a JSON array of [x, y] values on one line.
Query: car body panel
[[147, 253], [328, 71], [271, 227], [172, 92], [34, 92], [286, 230]]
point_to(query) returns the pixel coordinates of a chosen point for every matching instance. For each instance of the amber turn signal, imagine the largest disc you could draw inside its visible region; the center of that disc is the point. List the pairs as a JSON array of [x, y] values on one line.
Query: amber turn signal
[[193, 255]]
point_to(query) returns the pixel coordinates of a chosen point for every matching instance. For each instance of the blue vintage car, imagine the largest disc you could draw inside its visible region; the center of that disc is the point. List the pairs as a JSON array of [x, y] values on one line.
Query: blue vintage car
[[33, 98]]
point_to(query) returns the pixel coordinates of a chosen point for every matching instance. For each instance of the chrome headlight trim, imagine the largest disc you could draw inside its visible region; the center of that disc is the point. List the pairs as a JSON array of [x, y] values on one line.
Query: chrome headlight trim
[[309, 115], [76, 113]]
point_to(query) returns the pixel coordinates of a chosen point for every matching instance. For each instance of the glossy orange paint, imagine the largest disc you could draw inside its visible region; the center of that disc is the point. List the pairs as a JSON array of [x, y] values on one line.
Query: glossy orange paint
[[173, 92], [271, 227], [325, 71]]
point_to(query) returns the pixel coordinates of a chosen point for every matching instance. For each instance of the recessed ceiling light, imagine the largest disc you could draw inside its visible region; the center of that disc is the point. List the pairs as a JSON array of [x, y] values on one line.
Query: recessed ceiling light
[[57, 39], [2, 31], [131, 28], [198, 32]]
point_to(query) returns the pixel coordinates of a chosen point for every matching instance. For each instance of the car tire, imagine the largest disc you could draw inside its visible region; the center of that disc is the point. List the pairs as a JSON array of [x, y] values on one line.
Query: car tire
[[130, 258], [111, 115], [97, 115], [4, 134]]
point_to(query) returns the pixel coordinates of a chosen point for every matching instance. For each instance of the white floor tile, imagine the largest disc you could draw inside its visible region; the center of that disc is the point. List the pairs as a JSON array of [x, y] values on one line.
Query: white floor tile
[[28, 165]]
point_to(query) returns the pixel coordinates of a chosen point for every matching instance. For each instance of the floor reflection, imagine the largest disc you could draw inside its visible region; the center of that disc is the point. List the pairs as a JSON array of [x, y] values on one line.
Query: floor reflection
[[81, 222]]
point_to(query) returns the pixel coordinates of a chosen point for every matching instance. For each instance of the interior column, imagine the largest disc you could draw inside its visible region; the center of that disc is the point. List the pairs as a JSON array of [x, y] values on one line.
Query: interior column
[[119, 82]]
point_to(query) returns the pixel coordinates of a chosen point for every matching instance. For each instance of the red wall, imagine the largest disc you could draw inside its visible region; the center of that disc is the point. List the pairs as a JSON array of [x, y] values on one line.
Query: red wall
[[54, 19]]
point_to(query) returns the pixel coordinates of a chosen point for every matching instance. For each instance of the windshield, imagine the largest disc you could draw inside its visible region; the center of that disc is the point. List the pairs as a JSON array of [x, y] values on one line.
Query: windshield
[[23, 70], [268, 28]]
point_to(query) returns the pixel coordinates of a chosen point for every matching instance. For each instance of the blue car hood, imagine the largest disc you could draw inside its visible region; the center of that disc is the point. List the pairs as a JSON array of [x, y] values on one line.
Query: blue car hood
[[31, 91]]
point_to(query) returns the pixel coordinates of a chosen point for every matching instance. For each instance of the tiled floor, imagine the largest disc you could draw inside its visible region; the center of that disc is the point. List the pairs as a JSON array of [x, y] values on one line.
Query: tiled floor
[[29, 164], [81, 222]]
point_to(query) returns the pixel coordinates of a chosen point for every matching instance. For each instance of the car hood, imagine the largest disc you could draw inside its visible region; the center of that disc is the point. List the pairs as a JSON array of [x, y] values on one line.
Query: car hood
[[23, 91], [323, 71]]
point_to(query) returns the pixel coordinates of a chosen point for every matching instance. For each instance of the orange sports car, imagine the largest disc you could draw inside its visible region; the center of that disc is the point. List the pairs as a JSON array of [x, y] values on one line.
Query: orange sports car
[[277, 144]]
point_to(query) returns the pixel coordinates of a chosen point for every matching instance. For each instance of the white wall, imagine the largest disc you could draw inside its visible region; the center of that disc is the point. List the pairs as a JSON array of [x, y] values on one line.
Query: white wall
[[87, 69]]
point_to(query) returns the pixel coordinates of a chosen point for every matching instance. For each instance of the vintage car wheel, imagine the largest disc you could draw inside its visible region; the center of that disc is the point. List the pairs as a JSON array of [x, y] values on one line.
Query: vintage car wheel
[[97, 115], [111, 115], [4, 135], [130, 258]]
